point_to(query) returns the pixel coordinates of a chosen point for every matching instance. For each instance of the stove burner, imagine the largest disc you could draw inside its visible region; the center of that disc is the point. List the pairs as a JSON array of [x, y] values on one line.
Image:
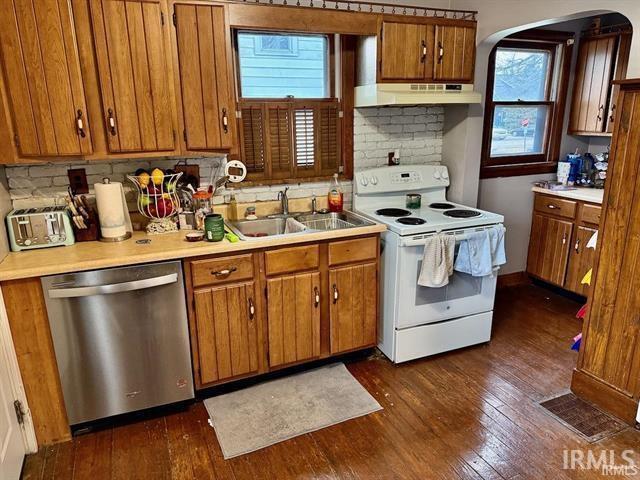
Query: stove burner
[[393, 212], [441, 206], [459, 213], [411, 221]]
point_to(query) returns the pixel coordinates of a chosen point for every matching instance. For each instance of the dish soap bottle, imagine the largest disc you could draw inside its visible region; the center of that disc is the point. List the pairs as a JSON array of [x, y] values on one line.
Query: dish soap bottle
[[335, 197]]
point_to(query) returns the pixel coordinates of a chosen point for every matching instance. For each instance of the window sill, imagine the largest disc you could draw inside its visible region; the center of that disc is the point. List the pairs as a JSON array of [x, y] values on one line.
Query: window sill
[[517, 170]]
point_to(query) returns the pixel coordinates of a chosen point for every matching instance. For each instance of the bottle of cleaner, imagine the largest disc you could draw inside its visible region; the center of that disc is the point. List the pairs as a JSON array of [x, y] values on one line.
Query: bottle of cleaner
[[335, 197]]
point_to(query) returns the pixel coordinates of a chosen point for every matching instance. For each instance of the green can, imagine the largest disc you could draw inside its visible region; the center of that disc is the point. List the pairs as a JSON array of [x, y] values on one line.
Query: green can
[[214, 227]]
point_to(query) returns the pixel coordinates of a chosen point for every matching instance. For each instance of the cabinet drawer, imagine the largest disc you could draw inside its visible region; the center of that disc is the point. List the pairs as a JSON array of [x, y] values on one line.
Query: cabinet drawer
[[294, 259], [221, 270], [591, 213], [349, 251], [555, 206]]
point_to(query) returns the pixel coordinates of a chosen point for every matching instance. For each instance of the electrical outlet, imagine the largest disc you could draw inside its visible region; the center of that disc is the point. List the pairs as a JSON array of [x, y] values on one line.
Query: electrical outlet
[[78, 180]]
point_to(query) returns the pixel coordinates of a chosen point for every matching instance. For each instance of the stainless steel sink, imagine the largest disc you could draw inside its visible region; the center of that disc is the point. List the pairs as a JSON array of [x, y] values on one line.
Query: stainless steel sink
[[299, 224]]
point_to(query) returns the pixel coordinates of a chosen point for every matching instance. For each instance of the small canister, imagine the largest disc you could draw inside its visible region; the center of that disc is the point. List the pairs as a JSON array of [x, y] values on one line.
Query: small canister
[[214, 227], [414, 200]]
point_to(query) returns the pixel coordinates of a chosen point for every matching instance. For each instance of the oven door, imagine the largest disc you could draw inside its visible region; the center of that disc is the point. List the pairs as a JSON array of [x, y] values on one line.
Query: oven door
[[417, 305]]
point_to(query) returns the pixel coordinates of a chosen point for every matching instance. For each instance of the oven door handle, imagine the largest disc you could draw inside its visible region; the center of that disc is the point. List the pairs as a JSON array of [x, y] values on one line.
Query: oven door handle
[[113, 288]]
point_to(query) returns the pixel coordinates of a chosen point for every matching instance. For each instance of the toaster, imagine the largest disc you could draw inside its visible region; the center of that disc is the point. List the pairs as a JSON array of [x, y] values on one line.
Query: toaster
[[30, 228]]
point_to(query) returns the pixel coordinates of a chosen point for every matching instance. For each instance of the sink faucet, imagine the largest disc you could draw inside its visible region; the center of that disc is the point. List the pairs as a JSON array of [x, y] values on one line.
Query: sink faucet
[[284, 201]]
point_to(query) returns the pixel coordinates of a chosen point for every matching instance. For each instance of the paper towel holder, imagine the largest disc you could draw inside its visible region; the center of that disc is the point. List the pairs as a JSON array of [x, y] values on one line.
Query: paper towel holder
[[128, 233]]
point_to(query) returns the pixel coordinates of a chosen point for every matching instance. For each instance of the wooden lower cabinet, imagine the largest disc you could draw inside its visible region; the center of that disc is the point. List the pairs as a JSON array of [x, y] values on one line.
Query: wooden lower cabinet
[[226, 331], [293, 318], [549, 248], [353, 307], [581, 260]]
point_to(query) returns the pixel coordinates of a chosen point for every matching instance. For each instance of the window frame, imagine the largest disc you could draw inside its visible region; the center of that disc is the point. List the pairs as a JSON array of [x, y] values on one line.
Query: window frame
[[560, 45]]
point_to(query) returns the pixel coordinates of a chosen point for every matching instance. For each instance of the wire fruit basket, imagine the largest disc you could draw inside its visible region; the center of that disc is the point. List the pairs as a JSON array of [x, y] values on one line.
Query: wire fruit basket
[[158, 199]]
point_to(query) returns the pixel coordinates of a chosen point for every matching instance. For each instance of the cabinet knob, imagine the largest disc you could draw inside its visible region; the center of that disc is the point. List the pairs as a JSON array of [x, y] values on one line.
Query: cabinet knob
[[335, 294], [80, 124], [252, 309], [316, 296]]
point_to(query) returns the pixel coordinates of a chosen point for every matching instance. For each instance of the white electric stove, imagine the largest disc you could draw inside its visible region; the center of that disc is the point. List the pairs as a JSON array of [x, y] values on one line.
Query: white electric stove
[[418, 321]]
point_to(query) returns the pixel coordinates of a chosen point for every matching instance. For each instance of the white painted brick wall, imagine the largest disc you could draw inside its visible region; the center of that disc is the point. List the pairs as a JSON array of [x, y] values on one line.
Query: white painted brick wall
[[415, 131]]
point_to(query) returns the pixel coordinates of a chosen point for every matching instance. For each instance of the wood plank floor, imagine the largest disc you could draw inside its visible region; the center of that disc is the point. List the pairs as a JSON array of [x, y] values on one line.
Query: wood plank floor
[[470, 414]]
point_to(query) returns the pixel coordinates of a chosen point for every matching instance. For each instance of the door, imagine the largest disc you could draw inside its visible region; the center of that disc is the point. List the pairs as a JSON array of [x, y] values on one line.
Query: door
[[208, 101], [43, 78], [581, 259], [592, 83], [454, 53], [293, 318], [405, 51], [353, 310], [226, 320], [133, 66], [549, 248], [11, 440]]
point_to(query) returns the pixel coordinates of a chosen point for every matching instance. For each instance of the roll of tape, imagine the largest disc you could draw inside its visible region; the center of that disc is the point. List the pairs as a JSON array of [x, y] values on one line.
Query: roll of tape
[[235, 165]]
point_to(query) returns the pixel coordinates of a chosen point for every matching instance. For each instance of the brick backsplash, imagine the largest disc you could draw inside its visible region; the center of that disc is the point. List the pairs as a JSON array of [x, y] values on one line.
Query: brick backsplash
[[416, 131]]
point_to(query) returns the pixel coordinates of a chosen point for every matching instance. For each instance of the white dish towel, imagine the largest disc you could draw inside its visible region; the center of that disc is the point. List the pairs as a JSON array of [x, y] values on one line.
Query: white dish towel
[[437, 260]]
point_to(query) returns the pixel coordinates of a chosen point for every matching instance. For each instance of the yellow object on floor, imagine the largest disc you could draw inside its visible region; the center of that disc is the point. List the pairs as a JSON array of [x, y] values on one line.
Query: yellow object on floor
[[587, 278]]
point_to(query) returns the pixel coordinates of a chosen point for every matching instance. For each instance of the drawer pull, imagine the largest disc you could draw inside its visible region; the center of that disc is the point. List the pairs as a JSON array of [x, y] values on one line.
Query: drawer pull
[[252, 309], [551, 206], [316, 295], [335, 294], [225, 272]]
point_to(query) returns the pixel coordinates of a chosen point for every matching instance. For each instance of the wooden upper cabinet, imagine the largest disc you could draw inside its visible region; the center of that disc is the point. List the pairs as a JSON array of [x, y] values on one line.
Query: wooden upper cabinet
[[43, 79], [549, 248], [226, 324], [454, 53], [134, 69], [208, 99], [293, 318], [353, 311], [405, 51]]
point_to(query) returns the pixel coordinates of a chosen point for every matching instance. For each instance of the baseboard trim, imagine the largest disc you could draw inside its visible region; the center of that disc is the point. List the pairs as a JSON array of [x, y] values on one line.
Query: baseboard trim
[[604, 396], [513, 279]]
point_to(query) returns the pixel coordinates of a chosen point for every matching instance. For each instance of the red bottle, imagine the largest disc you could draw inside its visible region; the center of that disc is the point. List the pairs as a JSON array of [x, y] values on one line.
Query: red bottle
[[335, 197]]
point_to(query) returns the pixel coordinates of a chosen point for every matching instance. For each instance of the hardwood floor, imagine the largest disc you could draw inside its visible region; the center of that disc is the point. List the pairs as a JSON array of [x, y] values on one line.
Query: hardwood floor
[[469, 414]]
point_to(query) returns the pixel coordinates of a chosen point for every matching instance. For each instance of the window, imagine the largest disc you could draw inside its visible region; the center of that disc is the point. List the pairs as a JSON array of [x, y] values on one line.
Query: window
[[290, 119], [526, 87]]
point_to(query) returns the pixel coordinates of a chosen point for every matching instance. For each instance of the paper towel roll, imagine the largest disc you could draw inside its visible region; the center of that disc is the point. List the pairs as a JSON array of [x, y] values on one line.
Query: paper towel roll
[[115, 222]]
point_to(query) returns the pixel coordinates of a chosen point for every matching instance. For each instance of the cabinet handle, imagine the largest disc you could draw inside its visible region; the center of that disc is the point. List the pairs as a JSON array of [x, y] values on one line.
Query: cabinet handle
[[564, 239], [611, 116], [80, 124], [423, 57], [440, 52], [111, 121], [316, 296], [225, 272], [600, 110], [551, 206], [225, 121], [252, 309], [335, 294], [576, 247]]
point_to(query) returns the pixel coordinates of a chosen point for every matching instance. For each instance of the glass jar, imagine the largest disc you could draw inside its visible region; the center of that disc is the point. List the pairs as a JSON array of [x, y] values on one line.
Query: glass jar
[[214, 227], [414, 200]]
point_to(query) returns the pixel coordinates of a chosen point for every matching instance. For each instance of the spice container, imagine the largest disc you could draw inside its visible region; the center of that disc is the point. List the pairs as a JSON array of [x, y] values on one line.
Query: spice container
[[214, 227], [414, 200]]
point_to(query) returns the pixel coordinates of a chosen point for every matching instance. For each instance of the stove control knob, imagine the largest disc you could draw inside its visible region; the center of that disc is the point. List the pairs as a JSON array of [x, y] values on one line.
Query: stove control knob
[[445, 174], [364, 181], [436, 175], [374, 180]]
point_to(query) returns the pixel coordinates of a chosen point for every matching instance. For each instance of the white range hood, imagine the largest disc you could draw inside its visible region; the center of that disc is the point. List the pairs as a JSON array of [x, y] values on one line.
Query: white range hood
[[382, 94]]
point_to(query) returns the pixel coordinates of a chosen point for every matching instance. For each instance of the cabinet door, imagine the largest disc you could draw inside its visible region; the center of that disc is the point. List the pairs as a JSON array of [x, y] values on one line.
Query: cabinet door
[[404, 51], [205, 76], [592, 84], [43, 78], [549, 248], [455, 53], [353, 307], [581, 260], [226, 322], [131, 52], [293, 318]]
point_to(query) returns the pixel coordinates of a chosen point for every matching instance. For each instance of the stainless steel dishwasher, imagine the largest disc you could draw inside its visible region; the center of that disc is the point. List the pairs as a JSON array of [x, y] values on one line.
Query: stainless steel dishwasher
[[121, 339]]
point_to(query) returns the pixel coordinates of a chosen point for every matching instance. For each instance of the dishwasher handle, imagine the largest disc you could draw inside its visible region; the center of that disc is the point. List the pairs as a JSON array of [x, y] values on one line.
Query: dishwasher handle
[[113, 288]]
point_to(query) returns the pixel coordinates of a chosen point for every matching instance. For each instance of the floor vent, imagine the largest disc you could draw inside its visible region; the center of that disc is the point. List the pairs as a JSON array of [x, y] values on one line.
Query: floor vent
[[582, 417]]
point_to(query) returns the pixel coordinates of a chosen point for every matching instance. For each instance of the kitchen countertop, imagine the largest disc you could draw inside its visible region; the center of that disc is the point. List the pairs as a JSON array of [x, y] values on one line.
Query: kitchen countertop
[[593, 195], [170, 246]]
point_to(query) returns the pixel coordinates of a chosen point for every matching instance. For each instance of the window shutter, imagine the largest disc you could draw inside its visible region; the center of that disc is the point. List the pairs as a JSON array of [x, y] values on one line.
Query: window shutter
[[329, 135], [253, 139], [304, 125], [279, 120]]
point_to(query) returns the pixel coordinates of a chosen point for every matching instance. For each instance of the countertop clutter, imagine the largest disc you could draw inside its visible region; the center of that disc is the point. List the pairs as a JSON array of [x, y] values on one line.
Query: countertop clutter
[[593, 195], [142, 248]]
